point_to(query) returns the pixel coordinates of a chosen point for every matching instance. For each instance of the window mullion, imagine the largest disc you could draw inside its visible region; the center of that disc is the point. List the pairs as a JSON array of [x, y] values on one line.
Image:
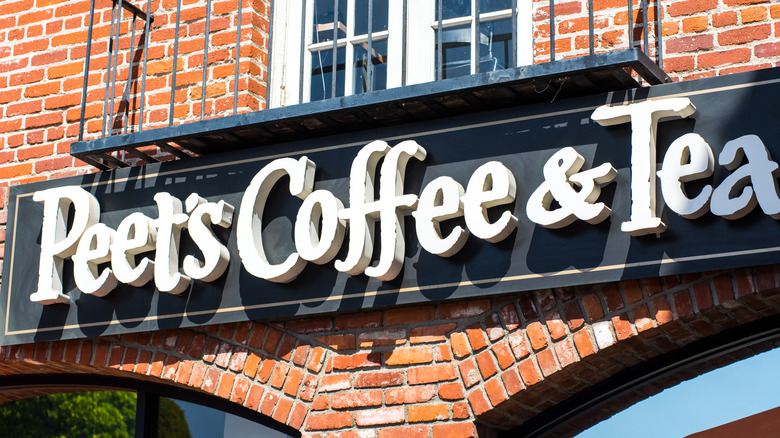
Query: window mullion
[[146, 408], [369, 53]]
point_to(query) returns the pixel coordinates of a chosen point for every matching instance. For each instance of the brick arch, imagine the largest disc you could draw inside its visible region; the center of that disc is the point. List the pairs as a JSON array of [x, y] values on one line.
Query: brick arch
[[446, 369]]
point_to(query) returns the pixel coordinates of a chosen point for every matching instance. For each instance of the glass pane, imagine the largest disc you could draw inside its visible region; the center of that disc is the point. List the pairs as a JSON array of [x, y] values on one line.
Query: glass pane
[[323, 20], [78, 414], [495, 45], [494, 5], [456, 57], [378, 79], [321, 74], [205, 422], [454, 8], [379, 22]]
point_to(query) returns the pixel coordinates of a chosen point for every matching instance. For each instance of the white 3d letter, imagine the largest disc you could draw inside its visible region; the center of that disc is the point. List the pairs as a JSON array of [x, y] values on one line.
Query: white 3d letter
[[319, 246], [760, 171], [93, 249], [169, 223], [57, 242], [644, 118], [135, 235], [491, 185], [361, 200], [250, 217], [215, 255], [392, 206], [688, 158], [440, 200]]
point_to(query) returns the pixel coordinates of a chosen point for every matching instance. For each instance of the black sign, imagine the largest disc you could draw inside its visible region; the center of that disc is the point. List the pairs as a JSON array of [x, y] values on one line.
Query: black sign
[[739, 110]]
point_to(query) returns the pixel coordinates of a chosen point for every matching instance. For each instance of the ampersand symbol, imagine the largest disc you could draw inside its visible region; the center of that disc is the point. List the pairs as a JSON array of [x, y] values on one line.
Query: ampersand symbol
[[574, 191]]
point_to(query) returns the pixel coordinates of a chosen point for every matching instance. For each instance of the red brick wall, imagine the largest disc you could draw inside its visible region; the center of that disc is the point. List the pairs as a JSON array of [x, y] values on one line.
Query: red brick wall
[[432, 370], [435, 370]]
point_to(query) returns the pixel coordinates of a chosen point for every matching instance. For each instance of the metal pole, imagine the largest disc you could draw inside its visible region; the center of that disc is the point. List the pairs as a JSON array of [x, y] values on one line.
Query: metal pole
[[552, 30], [659, 34], [146, 57], [334, 64], [86, 69], [108, 69], [590, 26], [238, 56], [175, 62], [205, 61], [116, 70], [370, 66], [630, 24], [129, 77], [439, 42]]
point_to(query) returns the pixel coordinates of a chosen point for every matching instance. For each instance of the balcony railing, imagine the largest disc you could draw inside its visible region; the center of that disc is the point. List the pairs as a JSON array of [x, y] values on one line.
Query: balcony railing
[[165, 82]]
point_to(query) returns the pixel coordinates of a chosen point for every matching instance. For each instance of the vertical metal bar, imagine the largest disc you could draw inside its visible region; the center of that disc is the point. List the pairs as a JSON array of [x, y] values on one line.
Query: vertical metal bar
[[108, 69], [116, 70], [476, 37], [175, 62], [369, 48], [303, 53], [630, 24], [126, 120], [333, 81], [590, 27], [238, 56], [645, 27], [515, 36], [86, 69], [146, 57], [205, 61], [439, 41], [659, 34], [271, 18], [552, 30], [403, 45]]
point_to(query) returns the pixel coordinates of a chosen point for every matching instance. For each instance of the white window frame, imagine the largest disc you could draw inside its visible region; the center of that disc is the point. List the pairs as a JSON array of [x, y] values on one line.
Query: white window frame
[[289, 57]]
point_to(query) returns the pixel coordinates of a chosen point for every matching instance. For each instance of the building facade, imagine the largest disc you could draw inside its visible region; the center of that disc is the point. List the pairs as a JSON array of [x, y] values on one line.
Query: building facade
[[551, 360]]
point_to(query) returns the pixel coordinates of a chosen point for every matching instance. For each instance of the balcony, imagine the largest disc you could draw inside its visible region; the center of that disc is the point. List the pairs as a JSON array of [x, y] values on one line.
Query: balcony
[[136, 56]]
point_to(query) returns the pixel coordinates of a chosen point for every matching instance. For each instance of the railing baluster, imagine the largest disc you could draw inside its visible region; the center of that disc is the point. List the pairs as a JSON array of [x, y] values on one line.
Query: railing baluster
[[116, 70], [205, 60], [175, 62], [590, 27], [146, 57], [126, 120], [645, 28], [659, 34], [552, 30], [440, 41], [334, 64], [513, 58], [369, 48], [108, 69], [238, 56], [630, 24], [86, 69]]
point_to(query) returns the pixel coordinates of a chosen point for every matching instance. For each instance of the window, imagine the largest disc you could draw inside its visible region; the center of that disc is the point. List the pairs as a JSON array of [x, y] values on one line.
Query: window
[[323, 49]]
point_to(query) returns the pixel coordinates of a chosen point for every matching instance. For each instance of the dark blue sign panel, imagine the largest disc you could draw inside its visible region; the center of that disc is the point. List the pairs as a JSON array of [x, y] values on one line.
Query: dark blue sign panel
[[530, 256]]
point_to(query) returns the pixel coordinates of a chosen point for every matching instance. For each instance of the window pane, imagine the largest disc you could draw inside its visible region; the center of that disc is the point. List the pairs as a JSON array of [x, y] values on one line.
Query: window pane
[[74, 415], [495, 45], [456, 57], [205, 422], [454, 8], [323, 20], [494, 5], [379, 22], [378, 79], [321, 74]]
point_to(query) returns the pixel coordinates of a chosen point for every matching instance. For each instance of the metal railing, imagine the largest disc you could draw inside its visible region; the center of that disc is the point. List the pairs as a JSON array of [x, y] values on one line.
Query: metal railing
[[122, 117]]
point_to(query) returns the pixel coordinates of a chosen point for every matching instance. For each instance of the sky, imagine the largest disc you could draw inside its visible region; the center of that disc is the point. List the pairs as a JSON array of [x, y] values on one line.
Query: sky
[[736, 391]]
